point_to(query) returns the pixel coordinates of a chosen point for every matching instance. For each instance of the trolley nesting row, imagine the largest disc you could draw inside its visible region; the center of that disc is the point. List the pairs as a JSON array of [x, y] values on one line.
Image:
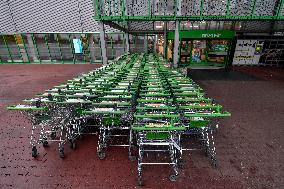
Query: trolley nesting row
[[138, 97], [57, 115]]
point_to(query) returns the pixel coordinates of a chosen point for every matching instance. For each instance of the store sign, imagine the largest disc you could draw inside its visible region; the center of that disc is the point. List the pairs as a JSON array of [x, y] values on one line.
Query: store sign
[[278, 33], [203, 34], [211, 35]]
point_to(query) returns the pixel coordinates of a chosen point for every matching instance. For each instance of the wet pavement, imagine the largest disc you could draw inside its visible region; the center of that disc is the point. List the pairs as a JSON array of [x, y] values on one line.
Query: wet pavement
[[249, 144]]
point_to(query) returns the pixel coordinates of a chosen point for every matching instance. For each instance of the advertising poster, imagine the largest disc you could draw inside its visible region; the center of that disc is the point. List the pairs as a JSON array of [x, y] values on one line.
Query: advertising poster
[[78, 47], [248, 52]]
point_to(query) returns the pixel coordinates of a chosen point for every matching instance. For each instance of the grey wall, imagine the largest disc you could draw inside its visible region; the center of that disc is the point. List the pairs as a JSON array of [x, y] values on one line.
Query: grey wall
[[36, 16]]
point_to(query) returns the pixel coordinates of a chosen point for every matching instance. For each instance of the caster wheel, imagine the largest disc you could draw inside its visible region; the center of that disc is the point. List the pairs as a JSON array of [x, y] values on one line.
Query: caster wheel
[[44, 143], [140, 182], [61, 154], [214, 163], [53, 135], [173, 178], [101, 155], [132, 158], [73, 145], [34, 152]]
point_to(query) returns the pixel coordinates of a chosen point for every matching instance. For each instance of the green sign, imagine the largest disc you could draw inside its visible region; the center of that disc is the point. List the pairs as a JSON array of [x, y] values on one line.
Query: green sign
[[203, 34]]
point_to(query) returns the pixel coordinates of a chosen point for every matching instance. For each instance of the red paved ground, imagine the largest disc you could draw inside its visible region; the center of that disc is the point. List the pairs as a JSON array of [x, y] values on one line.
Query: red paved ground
[[249, 144]]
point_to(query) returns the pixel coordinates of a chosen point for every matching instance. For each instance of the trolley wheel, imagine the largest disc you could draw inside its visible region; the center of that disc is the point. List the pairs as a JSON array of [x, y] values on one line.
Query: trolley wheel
[[132, 158], [173, 178], [53, 135], [61, 154], [140, 182], [34, 152], [44, 143], [214, 163], [101, 155]]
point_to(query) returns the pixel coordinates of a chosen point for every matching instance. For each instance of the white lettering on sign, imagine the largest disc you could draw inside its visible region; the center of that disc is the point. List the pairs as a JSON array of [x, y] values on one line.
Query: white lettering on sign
[[211, 35]]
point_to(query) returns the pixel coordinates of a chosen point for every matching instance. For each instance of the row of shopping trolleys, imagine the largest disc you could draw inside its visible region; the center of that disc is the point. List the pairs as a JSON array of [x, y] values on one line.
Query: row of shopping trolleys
[[137, 94]]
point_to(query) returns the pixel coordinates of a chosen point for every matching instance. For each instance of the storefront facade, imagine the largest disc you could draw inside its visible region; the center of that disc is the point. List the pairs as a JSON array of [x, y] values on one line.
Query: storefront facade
[[210, 48]]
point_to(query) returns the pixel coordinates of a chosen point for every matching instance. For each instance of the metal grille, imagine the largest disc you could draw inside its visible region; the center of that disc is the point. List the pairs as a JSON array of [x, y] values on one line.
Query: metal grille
[[189, 7], [215, 7], [142, 26], [6, 20], [137, 8], [265, 7], [46, 15], [32, 16]]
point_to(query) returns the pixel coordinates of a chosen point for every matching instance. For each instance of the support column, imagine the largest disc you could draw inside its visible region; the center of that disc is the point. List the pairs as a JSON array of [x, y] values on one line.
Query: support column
[[92, 48], [165, 40], [177, 42], [31, 48], [145, 43], [21, 47], [126, 38], [176, 45], [103, 42], [155, 43]]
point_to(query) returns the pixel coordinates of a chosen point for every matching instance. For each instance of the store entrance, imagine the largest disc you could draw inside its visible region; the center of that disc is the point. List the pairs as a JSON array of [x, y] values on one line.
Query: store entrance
[[208, 52]]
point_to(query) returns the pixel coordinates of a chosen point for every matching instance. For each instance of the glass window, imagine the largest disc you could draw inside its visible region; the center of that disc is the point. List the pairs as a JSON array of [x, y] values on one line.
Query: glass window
[[42, 47], [14, 49], [217, 51], [64, 41]]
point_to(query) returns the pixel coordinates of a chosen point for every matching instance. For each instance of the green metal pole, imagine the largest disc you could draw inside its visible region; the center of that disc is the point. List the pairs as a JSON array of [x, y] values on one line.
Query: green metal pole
[[33, 38], [109, 8], [123, 43], [191, 48], [1, 60], [112, 49], [136, 41], [97, 7], [46, 42], [101, 50], [279, 9], [253, 8], [84, 51], [19, 49], [71, 46], [123, 8], [57, 39], [4, 39], [89, 51], [201, 8], [175, 8], [149, 8], [26, 50], [228, 8]]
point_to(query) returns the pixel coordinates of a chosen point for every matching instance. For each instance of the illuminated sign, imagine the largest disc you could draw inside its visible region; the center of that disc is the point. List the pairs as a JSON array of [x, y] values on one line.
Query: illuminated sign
[[203, 34], [211, 35]]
